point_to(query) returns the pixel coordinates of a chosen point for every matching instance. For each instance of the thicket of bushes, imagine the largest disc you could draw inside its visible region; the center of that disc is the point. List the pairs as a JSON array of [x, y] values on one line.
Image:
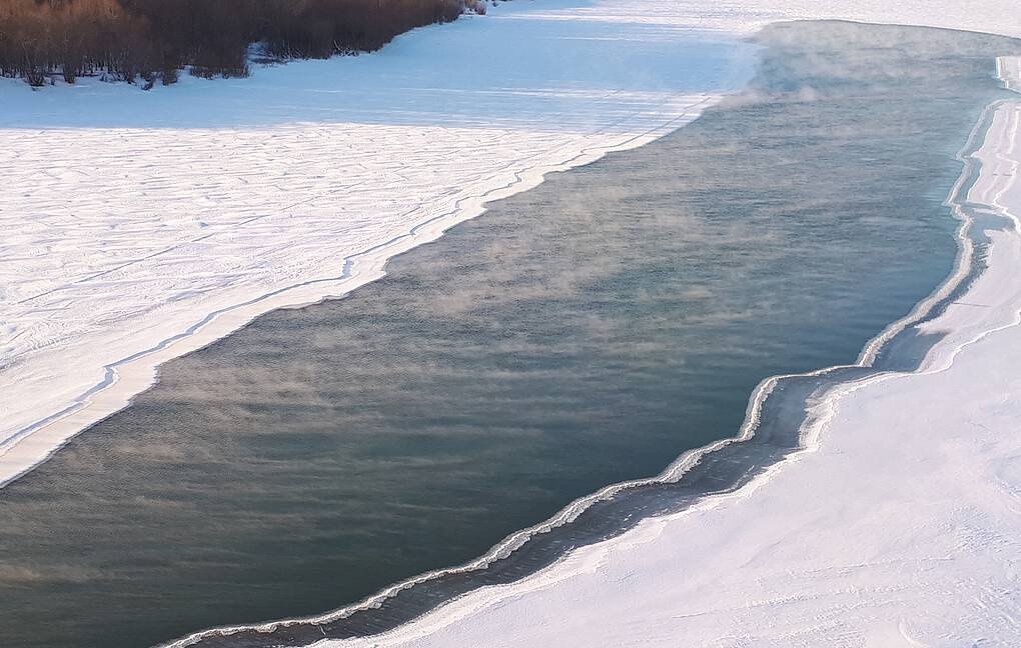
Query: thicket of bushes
[[150, 40]]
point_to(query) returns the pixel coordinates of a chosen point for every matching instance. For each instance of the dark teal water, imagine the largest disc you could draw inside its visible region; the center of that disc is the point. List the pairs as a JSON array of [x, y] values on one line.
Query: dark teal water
[[579, 334]]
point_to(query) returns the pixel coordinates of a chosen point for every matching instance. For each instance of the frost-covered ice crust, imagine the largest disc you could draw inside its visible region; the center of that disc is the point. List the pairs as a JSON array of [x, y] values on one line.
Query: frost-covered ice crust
[[139, 226], [897, 523]]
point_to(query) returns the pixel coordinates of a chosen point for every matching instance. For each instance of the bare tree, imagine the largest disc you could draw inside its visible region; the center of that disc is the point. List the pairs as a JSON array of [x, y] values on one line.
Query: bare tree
[[155, 39]]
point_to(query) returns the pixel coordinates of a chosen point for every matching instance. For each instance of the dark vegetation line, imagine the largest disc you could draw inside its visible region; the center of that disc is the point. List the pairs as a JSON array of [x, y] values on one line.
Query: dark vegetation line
[[145, 41]]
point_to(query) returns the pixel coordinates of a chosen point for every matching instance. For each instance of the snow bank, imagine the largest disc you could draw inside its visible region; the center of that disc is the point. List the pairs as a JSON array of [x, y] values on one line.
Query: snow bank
[[898, 525]]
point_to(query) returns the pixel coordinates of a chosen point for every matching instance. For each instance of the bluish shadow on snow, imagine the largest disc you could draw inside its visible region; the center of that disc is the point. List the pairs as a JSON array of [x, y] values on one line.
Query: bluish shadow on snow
[[525, 65]]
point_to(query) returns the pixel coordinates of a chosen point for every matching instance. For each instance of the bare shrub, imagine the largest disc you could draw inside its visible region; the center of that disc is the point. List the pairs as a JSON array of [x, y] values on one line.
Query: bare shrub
[[132, 38]]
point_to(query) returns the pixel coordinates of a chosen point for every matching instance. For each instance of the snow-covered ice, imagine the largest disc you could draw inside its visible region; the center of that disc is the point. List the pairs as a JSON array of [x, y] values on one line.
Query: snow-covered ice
[[991, 16], [899, 524]]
